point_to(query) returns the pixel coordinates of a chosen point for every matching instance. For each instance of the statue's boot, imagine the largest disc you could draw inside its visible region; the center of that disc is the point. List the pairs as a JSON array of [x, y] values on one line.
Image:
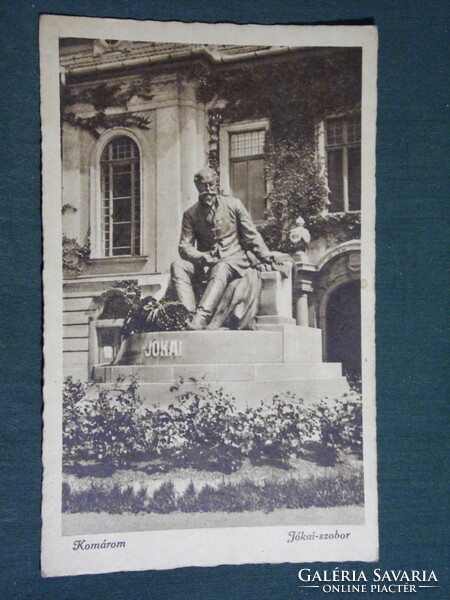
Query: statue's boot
[[208, 304], [198, 321]]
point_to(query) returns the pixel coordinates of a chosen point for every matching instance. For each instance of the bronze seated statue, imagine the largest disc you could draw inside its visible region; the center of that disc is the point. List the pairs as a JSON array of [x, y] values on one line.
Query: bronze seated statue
[[217, 277]]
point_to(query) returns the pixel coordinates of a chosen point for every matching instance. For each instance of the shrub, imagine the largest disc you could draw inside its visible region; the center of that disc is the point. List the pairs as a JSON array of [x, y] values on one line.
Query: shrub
[[204, 429], [74, 393], [188, 501], [277, 429], [164, 498], [336, 426], [110, 427], [354, 381], [149, 314]]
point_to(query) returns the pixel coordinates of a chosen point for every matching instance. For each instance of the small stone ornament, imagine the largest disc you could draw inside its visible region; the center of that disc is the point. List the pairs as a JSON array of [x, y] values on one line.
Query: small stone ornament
[[300, 237]]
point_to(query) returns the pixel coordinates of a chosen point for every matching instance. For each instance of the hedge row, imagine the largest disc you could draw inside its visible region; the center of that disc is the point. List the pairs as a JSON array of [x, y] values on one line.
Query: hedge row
[[325, 491]]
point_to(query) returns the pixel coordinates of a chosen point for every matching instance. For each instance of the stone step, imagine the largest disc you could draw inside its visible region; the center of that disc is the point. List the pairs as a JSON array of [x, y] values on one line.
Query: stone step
[[246, 393], [219, 372]]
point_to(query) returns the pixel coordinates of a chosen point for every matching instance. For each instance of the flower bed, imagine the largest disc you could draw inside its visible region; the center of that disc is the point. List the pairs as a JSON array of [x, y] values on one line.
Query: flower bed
[[204, 429]]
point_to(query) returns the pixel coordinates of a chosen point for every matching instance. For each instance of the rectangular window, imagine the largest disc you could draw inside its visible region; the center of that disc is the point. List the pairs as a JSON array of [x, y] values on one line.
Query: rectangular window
[[343, 153], [108, 344], [246, 168]]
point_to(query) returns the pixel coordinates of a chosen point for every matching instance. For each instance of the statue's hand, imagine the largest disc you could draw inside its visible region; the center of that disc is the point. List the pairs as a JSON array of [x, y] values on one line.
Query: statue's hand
[[208, 260], [277, 259], [264, 266], [269, 262]]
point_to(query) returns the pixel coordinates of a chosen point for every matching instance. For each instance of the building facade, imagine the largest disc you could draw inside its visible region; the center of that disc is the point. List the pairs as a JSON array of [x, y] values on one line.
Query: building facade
[[281, 126]]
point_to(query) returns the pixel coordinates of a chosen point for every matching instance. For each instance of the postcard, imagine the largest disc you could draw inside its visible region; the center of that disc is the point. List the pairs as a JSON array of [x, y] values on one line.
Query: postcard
[[209, 294]]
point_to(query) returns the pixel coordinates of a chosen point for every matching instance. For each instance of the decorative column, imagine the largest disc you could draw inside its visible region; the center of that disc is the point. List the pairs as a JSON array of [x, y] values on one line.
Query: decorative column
[[302, 306], [169, 207], [190, 161]]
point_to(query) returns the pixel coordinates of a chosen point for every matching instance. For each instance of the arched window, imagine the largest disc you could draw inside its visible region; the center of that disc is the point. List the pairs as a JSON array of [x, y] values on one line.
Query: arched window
[[121, 197]]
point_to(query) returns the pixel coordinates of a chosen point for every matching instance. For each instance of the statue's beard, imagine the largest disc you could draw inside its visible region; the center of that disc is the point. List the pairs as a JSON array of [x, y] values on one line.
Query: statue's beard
[[207, 197]]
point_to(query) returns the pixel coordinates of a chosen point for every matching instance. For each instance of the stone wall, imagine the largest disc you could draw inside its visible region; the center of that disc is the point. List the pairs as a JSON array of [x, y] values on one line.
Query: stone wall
[[172, 150]]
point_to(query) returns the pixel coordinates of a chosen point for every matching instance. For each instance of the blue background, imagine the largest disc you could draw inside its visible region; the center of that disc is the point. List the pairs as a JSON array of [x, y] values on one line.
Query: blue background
[[412, 291]]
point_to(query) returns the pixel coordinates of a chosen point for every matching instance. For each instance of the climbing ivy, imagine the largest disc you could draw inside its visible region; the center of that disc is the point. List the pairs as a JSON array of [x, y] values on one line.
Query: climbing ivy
[[295, 95], [340, 226], [74, 255]]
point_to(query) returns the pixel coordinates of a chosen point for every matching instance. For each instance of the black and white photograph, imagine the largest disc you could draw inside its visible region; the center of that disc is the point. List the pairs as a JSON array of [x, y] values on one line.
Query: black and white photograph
[[209, 317]]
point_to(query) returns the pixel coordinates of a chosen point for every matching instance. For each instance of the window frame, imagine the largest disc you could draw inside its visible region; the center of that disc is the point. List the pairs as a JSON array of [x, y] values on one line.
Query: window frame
[[224, 150], [96, 216], [324, 148], [109, 222]]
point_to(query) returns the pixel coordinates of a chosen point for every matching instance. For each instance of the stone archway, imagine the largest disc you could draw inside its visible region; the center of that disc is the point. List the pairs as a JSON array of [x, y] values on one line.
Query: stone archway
[[338, 303]]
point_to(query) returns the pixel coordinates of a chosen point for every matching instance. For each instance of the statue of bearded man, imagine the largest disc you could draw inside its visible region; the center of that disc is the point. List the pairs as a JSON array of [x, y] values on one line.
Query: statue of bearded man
[[218, 245]]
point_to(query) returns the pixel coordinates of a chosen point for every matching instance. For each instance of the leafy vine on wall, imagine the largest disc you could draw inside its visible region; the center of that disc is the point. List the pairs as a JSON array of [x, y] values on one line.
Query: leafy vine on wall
[[295, 95], [74, 255], [339, 226], [101, 97]]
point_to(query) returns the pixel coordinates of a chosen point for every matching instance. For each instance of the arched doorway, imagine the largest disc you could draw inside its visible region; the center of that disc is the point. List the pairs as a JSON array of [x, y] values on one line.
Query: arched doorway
[[343, 327]]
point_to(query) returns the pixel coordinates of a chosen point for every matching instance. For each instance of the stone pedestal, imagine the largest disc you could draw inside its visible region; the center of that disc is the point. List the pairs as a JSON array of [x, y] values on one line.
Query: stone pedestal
[[251, 365], [276, 294]]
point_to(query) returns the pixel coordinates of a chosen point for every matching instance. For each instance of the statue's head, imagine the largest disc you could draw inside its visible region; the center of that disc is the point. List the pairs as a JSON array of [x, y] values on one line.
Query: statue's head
[[206, 182]]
